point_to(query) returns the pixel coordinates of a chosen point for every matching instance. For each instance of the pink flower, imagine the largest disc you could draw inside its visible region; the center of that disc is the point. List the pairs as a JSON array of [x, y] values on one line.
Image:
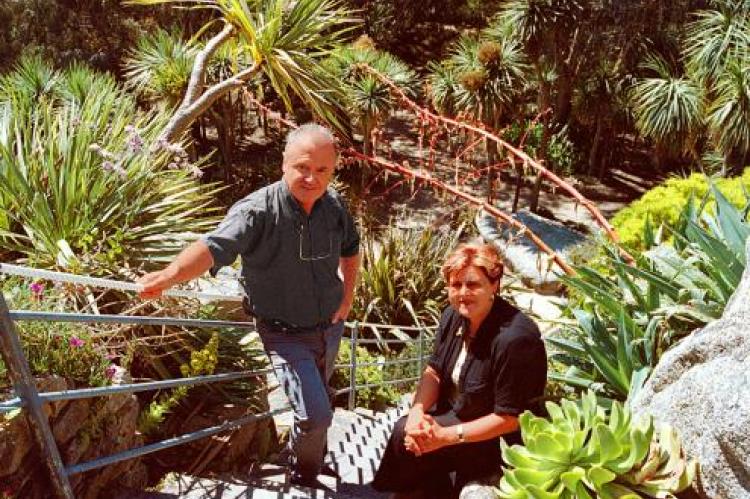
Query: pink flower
[[76, 342], [37, 289], [110, 371]]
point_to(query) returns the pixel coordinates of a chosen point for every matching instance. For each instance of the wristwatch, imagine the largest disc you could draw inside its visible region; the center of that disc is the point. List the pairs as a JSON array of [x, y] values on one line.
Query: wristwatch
[[460, 433]]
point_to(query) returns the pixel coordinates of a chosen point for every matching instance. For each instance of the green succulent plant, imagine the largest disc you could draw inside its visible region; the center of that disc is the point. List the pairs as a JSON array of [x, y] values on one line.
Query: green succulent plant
[[587, 451]]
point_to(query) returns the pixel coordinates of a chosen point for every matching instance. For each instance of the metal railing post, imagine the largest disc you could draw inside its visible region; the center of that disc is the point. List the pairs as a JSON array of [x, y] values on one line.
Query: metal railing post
[[353, 367], [25, 388]]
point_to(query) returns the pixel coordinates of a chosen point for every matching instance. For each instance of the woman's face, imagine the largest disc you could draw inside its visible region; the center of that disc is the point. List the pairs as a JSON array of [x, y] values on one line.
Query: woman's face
[[471, 292]]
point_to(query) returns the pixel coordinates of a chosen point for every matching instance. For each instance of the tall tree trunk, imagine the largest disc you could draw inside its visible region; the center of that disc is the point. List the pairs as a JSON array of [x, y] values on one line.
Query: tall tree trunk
[[594, 152], [492, 157], [544, 145], [564, 98], [519, 184]]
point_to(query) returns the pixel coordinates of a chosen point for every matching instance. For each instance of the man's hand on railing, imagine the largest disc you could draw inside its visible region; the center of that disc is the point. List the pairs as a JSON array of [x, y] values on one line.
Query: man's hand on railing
[[192, 262], [154, 283]]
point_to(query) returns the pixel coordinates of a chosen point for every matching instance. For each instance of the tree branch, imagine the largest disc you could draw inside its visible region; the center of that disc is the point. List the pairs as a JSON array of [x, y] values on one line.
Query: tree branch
[[197, 76], [185, 115], [598, 217]]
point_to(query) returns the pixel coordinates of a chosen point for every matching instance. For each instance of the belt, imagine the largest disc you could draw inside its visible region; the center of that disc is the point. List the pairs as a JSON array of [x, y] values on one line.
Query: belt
[[284, 327]]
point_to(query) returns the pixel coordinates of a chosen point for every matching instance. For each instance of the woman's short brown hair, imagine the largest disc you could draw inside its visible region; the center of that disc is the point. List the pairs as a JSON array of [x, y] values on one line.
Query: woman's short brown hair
[[485, 257]]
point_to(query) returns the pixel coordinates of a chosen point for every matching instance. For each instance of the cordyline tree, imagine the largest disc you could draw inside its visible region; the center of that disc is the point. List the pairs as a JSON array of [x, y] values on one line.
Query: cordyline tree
[[286, 41]]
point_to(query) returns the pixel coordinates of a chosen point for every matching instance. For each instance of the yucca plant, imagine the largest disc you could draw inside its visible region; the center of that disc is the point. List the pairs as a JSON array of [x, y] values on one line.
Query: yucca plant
[[284, 40], [631, 314], [159, 66], [586, 451], [367, 99], [400, 281], [79, 185]]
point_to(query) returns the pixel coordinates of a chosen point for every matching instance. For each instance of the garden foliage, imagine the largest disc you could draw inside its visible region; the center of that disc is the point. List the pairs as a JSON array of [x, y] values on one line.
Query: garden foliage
[[664, 204], [400, 281], [80, 187], [73, 351], [631, 314]]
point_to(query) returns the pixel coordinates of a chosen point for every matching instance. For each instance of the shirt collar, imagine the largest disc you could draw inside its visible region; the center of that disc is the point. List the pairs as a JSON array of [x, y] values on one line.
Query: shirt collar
[[292, 205]]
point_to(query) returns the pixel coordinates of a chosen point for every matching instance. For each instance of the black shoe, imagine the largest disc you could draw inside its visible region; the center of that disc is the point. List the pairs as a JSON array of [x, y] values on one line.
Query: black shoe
[[301, 480]]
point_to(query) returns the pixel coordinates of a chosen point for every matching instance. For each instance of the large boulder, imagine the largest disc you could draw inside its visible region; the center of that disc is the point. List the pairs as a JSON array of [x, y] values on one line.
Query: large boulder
[[702, 388]]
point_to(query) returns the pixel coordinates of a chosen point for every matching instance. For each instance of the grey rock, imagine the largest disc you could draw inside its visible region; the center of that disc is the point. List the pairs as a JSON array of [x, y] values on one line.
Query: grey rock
[[702, 388]]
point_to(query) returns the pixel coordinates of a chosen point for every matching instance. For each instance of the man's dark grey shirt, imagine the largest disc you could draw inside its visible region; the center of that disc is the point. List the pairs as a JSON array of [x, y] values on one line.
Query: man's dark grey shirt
[[289, 260]]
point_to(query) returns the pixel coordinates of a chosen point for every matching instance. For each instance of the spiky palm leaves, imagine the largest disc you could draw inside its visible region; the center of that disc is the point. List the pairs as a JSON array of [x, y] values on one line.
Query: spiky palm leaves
[[481, 78], [286, 41], [668, 109], [367, 99], [715, 55], [159, 66], [76, 172]]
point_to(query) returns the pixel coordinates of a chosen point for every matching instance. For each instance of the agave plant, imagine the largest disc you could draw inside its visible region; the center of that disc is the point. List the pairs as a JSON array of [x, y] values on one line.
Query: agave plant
[[587, 451], [79, 185], [629, 317]]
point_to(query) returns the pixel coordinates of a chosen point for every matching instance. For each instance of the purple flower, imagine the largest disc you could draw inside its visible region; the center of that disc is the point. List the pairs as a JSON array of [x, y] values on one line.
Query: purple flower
[[76, 342], [108, 166], [135, 143], [37, 289], [110, 371]]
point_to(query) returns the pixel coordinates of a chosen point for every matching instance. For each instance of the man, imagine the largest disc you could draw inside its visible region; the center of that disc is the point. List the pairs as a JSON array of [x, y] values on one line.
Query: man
[[300, 258]]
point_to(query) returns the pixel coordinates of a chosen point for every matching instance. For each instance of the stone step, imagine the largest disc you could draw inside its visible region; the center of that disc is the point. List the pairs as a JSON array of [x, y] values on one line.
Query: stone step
[[356, 442]]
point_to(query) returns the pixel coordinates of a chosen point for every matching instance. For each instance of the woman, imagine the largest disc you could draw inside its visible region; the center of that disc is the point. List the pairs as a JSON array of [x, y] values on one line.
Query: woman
[[489, 366]]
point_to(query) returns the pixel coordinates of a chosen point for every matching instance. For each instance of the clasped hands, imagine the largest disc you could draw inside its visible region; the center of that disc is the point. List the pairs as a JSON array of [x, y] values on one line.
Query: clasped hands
[[422, 434]]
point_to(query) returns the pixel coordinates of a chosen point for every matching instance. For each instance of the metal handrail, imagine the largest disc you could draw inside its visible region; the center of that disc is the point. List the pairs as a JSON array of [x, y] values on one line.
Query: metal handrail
[[170, 442], [27, 315], [382, 363], [31, 401]]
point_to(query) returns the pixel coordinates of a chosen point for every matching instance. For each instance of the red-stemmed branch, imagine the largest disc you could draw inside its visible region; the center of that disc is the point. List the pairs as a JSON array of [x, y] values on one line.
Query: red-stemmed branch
[[426, 114], [503, 217]]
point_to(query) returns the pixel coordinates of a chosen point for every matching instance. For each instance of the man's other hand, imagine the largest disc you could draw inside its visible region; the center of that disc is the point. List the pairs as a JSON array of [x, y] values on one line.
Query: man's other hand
[[343, 311]]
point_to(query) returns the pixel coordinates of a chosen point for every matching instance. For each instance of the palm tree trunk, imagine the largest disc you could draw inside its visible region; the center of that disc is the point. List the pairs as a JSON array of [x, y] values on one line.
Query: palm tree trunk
[[519, 184], [594, 152], [544, 145], [492, 156]]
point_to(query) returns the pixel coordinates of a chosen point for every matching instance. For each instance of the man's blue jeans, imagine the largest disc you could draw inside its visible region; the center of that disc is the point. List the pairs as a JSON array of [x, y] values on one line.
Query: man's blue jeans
[[303, 363]]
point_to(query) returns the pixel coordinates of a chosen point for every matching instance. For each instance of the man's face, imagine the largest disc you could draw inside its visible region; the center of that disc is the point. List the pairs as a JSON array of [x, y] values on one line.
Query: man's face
[[308, 167]]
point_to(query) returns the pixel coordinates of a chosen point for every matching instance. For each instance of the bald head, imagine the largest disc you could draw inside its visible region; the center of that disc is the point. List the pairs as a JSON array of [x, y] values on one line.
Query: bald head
[[309, 162], [309, 132]]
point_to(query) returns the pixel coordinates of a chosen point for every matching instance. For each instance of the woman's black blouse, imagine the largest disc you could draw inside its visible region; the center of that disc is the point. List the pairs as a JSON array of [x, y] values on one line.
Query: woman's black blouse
[[505, 369]]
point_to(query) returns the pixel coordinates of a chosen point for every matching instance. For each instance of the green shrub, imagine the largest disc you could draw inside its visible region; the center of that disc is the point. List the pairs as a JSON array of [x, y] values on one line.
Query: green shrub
[[588, 451], [202, 362], [376, 397], [400, 281], [72, 351], [664, 203]]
